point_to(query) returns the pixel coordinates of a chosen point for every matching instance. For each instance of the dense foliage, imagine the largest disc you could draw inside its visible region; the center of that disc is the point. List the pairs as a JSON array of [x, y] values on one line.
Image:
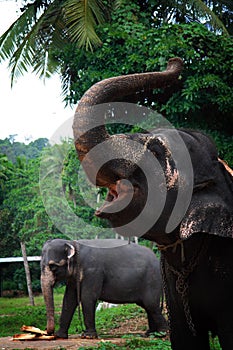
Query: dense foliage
[[204, 95], [46, 25], [23, 206], [14, 149]]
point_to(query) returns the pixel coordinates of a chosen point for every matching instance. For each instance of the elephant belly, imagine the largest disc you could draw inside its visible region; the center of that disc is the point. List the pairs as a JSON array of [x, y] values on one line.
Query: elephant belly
[[113, 295], [122, 288]]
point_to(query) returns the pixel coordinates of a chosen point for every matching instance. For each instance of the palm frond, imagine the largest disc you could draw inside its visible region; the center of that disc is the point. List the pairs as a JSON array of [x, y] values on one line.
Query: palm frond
[[44, 26], [81, 18], [11, 38], [51, 24], [29, 39], [205, 11]]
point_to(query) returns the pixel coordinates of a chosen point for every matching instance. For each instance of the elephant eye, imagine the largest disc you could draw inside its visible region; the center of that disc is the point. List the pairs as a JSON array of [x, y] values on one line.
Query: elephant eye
[[52, 267]]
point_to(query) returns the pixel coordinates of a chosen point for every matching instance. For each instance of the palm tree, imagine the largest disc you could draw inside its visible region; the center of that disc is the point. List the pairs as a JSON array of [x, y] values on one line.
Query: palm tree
[[45, 26]]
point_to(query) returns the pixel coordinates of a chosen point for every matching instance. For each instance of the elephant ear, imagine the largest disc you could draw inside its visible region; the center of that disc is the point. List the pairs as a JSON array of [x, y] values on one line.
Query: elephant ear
[[211, 207], [70, 249]]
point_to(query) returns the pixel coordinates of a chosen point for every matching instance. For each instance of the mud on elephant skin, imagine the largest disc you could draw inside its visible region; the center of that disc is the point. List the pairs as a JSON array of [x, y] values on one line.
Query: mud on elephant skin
[[197, 253], [120, 273]]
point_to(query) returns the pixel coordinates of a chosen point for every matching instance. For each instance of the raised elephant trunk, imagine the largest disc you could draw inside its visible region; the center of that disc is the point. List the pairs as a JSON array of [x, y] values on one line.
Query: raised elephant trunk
[[111, 90], [47, 284]]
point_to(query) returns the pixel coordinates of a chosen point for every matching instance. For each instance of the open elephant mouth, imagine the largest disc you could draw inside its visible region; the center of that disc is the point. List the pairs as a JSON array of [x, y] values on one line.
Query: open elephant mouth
[[124, 203], [119, 196]]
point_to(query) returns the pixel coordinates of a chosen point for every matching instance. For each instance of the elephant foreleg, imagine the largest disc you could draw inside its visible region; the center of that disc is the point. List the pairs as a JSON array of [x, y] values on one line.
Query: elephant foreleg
[[181, 335], [68, 309], [184, 339]]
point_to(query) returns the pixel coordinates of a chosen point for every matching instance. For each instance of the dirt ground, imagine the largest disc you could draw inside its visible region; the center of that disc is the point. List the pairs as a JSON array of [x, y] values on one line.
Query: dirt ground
[[73, 343], [135, 326]]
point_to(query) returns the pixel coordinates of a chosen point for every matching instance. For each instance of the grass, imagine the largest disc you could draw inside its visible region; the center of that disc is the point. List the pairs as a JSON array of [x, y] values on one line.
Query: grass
[[135, 343], [16, 312]]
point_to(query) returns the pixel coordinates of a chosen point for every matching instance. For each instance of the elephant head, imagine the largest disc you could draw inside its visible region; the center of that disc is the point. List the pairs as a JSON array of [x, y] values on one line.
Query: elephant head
[[56, 265], [127, 183]]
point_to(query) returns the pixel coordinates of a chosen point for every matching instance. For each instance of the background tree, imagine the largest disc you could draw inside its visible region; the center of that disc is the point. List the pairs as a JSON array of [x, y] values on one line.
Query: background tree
[[45, 26], [13, 149], [27, 273], [217, 15], [23, 217], [201, 100]]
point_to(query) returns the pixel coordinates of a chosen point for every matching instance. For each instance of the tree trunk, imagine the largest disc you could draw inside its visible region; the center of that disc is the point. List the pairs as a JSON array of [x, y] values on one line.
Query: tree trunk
[[27, 272]]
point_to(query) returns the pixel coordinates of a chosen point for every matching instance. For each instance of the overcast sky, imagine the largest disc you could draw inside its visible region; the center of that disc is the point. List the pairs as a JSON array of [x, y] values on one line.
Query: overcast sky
[[32, 108]]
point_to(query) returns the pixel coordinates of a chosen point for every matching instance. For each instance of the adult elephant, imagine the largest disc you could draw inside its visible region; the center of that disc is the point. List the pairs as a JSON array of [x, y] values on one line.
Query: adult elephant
[[197, 246], [123, 273]]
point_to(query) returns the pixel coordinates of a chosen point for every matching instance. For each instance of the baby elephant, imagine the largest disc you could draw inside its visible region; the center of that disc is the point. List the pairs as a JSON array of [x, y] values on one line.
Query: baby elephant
[[103, 269]]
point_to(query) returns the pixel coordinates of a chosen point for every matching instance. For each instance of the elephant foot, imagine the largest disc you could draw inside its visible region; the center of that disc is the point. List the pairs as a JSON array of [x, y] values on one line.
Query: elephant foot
[[89, 335], [155, 334], [61, 335]]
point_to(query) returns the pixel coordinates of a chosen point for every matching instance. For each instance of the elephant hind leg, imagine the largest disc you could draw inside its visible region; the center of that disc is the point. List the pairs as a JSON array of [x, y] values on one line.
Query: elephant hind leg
[[156, 320]]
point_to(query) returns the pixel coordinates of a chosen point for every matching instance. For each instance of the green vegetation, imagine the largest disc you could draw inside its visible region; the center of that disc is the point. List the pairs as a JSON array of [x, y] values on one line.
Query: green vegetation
[[23, 216], [134, 343], [138, 344], [201, 100], [16, 312], [15, 150], [45, 26]]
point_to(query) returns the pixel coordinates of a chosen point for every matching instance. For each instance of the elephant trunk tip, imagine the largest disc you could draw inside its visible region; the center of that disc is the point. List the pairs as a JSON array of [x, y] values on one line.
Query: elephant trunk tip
[[175, 63]]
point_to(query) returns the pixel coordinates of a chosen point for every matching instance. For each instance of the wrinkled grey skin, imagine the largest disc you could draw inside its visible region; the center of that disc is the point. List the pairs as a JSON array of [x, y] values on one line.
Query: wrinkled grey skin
[[125, 274], [198, 253]]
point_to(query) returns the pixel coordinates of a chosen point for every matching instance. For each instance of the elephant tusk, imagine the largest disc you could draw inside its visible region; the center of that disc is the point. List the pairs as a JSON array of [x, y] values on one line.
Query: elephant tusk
[[230, 171]]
